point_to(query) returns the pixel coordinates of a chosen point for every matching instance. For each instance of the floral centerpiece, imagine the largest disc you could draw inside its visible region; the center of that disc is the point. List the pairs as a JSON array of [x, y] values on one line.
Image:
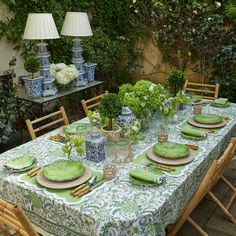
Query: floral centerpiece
[[63, 74], [142, 97]]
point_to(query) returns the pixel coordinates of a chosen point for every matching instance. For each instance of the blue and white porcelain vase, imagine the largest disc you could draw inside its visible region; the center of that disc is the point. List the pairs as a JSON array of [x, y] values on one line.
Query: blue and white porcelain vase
[[33, 86], [94, 146], [90, 71], [125, 118]]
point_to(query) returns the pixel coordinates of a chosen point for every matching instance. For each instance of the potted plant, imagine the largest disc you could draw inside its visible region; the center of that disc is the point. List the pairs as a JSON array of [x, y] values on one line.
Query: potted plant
[[110, 107], [33, 84], [176, 81]]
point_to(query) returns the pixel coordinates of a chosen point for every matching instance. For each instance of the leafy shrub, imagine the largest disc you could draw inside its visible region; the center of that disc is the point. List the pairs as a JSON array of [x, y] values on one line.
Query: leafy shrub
[[110, 106], [176, 81], [32, 65]]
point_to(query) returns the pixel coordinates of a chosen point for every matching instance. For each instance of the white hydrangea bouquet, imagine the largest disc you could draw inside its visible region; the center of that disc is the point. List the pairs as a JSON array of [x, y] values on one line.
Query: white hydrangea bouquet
[[63, 74]]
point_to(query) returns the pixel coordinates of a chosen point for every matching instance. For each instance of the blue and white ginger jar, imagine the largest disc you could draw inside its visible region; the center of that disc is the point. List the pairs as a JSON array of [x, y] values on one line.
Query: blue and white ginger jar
[[94, 146]]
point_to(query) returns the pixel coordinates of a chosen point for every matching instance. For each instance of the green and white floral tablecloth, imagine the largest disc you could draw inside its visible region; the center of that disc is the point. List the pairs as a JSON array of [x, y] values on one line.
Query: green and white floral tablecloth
[[116, 207]]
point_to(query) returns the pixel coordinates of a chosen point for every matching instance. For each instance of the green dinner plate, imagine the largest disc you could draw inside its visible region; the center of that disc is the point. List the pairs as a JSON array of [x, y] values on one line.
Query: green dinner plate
[[207, 119], [20, 162], [220, 105], [171, 150], [64, 170], [71, 129]]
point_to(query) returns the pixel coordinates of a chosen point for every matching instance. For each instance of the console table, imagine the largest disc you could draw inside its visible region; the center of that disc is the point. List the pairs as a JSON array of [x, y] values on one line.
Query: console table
[[96, 88]]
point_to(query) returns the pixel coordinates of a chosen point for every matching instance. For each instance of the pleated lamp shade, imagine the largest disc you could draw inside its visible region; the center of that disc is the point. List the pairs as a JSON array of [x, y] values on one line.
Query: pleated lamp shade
[[40, 26], [76, 24]]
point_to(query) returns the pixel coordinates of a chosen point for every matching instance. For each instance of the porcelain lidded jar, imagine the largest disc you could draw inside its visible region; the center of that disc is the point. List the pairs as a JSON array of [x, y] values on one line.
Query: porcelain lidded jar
[[126, 117], [94, 146]]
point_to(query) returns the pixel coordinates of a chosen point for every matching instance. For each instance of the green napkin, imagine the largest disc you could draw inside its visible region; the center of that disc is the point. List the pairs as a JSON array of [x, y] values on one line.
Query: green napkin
[[191, 131], [148, 174], [197, 98], [221, 101]]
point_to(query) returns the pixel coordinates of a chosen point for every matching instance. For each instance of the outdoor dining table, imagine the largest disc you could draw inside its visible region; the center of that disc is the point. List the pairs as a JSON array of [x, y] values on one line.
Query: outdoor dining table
[[117, 207]]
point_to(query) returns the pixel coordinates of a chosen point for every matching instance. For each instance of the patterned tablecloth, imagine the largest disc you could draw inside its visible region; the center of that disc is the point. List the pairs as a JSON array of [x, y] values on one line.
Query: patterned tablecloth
[[117, 207]]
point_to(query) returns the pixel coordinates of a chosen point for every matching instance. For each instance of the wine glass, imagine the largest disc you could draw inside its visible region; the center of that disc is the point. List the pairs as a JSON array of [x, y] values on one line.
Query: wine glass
[[122, 150]]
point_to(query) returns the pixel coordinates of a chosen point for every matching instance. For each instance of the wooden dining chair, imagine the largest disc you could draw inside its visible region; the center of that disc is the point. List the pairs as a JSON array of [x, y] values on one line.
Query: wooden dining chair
[[61, 113], [13, 221], [92, 103], [214, 173], [207, 91]]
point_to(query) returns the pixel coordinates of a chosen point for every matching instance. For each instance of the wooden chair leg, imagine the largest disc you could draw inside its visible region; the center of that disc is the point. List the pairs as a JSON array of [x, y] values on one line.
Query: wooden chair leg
[[196, 226], [233, 189], [222, 207]]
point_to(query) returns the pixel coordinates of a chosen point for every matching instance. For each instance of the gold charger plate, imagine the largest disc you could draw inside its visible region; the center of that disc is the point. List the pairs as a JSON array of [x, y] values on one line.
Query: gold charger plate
[[206, 126], [66, 184], [162, 160]]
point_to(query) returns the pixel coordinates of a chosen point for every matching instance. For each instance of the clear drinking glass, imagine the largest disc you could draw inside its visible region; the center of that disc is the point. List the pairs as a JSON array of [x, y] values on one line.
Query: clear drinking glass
[[122, 150], [82, 130], [109, 169]]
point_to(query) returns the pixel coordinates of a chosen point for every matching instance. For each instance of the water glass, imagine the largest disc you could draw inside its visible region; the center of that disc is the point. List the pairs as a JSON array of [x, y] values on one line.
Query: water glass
[[109, 169], [197, 109], [82, 130], [162, 134], [122, 150]]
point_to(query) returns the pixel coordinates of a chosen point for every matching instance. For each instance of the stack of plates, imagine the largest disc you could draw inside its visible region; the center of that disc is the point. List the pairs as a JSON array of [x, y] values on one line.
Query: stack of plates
[[170, 153], [207, 121], [20, 164], [63, 174], [221, 102]]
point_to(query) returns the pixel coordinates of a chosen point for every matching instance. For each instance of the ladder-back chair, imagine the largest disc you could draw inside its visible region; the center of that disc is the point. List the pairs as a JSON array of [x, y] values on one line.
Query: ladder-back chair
[[207, 91], [214, 173], [60, 113], [92, 103], [13, 221]]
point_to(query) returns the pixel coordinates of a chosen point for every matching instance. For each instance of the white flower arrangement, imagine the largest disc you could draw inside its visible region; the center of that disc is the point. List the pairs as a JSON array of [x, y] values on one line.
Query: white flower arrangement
[[63, 74]]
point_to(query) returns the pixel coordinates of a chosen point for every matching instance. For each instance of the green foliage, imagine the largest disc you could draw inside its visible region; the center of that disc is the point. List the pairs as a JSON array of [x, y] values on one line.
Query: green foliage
[[32, 65], [73, 141], [10, 71], [186, 31], [181, 98], [224, 70], [110, 106], [176, 81], [123, 89], [230, 11]]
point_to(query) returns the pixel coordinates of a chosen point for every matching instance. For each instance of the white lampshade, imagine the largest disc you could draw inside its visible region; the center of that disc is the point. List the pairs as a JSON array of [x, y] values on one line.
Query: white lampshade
[[76, 24], [40, 26]]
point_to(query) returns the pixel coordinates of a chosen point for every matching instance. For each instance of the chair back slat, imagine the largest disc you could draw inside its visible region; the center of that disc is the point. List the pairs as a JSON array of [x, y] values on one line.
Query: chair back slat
[[33, 131], [92, 103], [207, 91], [13, 218]]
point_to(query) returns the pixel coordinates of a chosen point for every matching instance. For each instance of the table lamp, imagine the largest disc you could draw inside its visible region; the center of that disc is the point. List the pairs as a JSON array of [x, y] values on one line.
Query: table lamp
[[76, 24], [40, 26]]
